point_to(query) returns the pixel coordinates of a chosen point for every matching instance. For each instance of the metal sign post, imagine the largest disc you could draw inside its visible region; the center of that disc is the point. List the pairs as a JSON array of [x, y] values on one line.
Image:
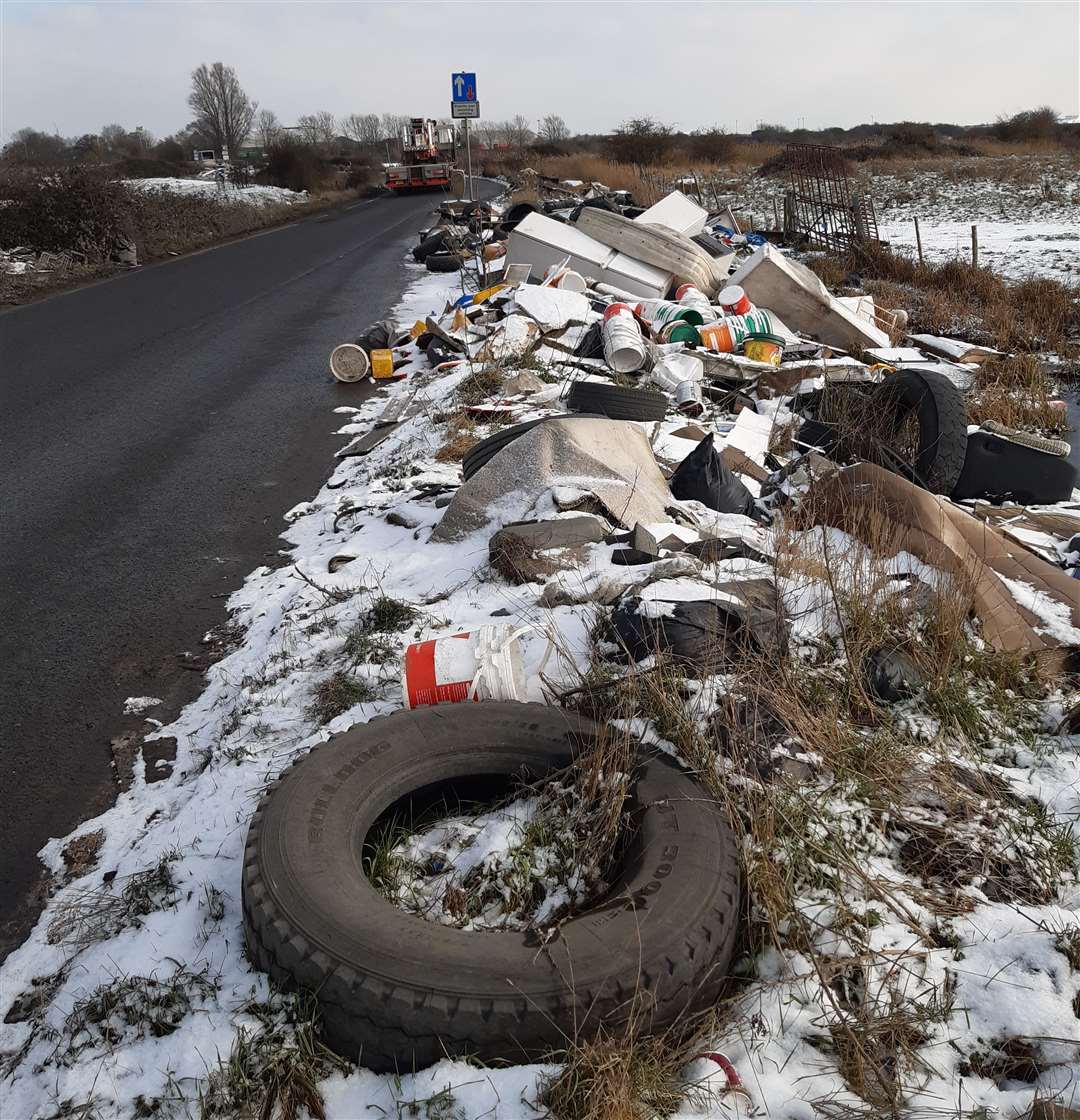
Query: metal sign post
[[464, 105]]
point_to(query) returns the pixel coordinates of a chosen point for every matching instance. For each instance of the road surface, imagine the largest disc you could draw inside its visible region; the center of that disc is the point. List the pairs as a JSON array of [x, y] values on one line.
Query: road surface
[[153, 430]]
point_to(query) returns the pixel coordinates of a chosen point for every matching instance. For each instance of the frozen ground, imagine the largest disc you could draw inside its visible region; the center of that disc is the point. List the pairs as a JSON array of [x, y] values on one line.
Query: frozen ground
[[248, 196], [159, 910]]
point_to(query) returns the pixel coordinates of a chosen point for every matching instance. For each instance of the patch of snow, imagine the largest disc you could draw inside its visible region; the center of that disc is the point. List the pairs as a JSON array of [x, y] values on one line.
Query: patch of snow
[[221, 192], [133, 705]]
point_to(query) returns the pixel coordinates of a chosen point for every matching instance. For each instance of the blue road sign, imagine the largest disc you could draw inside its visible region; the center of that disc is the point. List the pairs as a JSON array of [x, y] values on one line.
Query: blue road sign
[[462, 87]]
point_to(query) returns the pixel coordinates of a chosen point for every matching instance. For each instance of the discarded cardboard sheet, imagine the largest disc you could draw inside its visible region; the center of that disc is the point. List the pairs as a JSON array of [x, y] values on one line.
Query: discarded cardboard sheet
[[862, 498]]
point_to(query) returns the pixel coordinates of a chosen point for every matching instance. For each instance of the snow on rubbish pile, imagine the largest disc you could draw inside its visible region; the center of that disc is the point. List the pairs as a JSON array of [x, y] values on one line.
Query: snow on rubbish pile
[[222, 192], [134, 990]]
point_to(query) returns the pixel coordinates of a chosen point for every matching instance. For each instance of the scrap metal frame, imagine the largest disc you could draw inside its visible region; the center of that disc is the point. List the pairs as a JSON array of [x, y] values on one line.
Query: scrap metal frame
[[825, 208]]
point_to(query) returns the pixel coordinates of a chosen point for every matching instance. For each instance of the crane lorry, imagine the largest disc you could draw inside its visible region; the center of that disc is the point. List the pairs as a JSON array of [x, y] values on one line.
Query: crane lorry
[[427, 156]]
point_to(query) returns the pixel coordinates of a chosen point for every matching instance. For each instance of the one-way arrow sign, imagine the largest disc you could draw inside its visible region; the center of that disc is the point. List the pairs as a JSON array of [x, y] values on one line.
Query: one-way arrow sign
[[462, 87]]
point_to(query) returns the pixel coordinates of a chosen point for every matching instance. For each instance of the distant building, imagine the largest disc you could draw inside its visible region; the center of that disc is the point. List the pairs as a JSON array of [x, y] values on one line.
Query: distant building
[[251, 148]]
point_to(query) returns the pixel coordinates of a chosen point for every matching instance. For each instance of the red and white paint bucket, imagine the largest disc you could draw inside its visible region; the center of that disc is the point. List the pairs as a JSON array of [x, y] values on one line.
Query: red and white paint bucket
[[484, 664], [691, 296], [734, 301], [624, 348]]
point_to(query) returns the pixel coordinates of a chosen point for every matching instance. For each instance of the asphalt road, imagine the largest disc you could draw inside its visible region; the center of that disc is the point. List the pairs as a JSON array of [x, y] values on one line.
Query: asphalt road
[[153, 430]]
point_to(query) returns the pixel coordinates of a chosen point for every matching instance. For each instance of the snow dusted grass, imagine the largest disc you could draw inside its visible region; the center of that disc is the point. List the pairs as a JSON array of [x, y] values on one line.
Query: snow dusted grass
[[1027, 208], [220, 192], [911, 944], [534, 859]]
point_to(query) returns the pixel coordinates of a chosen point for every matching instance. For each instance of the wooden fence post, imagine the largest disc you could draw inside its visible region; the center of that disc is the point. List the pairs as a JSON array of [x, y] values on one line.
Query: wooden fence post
[[918, 239], [974, 246]]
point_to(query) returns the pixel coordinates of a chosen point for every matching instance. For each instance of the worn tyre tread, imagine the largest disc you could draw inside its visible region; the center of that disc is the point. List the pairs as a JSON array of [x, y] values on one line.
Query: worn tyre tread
[[450, 1023], [941, 460], [617, 402]]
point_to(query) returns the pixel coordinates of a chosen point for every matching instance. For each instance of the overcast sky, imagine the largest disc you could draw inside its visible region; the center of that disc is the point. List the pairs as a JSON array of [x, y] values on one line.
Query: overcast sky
[[73, 67]]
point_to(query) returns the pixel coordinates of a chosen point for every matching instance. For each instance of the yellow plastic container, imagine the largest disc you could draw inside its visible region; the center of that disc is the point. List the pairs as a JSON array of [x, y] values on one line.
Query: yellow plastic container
[[382, 364], [764, 348]]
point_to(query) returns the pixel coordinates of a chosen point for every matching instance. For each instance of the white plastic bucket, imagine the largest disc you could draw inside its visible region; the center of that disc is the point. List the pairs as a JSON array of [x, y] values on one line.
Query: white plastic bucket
[[688, 399], [484, 664], [624, 348], [565, 278], [349, 362], [675, 369]]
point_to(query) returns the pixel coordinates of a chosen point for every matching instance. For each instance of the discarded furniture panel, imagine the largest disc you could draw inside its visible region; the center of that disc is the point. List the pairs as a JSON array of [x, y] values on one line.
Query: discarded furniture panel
[[541, 242], [676, 212], [955, 350], [789, 288]]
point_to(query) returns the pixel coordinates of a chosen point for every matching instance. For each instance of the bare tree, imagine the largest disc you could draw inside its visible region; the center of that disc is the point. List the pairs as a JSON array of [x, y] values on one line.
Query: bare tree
[[488, 133], [267, 127], [318, 128], [364, 128], [553, 128], [392, 124], [222, 108], [517, 132]]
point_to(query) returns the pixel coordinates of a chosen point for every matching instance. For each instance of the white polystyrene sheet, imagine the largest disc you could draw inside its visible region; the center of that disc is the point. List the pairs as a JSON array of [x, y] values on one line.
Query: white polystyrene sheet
[[677, 212], [751, 435], [552, 308]]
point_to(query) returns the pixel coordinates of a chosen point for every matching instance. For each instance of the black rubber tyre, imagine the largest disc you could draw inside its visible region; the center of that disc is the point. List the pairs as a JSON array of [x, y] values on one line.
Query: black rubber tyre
[[616, 402], [937, 406], [487, 449], [443, 262], [398, 992], [433, 243]]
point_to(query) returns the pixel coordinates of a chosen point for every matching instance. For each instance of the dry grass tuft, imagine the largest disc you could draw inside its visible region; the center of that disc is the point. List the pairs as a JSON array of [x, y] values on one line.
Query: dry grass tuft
[[274, 1071], [956, 299], [461, 438], [1016, 392], [626, 1074], [481, 383]]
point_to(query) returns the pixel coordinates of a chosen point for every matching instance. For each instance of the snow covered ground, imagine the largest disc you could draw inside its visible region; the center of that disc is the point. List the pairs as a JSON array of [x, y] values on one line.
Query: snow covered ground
[[226, 192], [1027, 211], [160, 909], [1015, 250]]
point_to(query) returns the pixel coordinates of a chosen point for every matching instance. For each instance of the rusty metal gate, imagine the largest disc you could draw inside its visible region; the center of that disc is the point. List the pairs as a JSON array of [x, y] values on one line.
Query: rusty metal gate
[[822, 203]]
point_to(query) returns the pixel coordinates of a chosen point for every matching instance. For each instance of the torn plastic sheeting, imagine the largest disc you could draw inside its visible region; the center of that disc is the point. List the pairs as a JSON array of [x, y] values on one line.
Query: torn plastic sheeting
[[611, 460], [608, 585], [789, 288], [860, 499]]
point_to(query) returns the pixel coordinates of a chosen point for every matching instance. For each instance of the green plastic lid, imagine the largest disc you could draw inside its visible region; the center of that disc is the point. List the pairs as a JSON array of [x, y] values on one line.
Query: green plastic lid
[[761, 336], [684, 332]]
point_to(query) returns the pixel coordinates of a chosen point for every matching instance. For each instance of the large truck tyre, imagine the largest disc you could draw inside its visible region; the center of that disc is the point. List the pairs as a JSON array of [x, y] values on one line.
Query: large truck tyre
[[399, 992]]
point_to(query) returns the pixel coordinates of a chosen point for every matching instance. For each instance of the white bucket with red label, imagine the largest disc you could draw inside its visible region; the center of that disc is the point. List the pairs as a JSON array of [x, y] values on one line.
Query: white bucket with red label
[[484, 664], [624, 348]]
